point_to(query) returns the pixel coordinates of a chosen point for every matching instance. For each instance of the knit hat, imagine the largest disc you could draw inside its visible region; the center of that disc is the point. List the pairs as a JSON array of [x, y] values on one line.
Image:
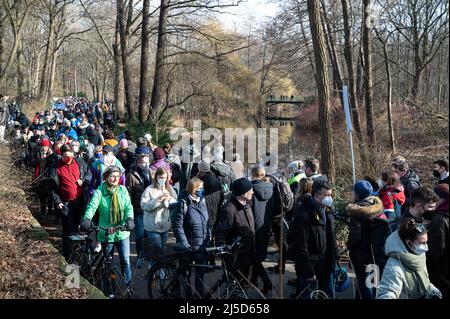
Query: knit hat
[[362, 189], [241, 186], [204, 167], [108, 149], [158, 153], [123, 143], [142, 150], [45, 142], [441, 190], [109, 170]]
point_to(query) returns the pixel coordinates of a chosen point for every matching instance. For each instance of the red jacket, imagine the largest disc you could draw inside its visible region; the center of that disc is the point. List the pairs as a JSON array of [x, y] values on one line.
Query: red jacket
[[394, 193]]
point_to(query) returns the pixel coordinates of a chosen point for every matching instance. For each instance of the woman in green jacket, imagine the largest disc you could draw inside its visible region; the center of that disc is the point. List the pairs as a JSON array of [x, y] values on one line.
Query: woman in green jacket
[[115, 209]]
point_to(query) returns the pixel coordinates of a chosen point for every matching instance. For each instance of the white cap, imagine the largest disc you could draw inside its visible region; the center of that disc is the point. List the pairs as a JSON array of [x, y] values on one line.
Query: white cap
[[148, 137]]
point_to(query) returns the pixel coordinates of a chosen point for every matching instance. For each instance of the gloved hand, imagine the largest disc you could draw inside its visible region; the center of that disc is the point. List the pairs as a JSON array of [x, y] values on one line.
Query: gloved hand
[[129, 224], [182, 247], [86, 224]]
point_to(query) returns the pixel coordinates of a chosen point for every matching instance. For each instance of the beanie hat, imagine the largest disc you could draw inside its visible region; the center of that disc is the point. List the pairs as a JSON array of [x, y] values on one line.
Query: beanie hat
[[109, 170], [123, 143], [158, 153], [204, 167], [362, 189], [45, 142], [441, 190], [241, 186], [142, 150]]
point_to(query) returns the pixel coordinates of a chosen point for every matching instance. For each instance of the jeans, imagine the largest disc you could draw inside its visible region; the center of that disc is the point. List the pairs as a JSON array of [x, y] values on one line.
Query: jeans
[[123, 248], [71, 218], [139, 232], [158, 239]]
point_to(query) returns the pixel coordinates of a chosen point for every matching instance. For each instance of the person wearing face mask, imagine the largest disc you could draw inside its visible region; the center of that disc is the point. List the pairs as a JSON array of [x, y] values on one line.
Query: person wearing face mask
[[67, 130], [440, 170], [438, 242], [406, 175], [311, 242], [236, 219], [421, 208], [155, 203], [100, 163], [69, 191], [191, 227], [137, 180], [405, 275], [368, 230]]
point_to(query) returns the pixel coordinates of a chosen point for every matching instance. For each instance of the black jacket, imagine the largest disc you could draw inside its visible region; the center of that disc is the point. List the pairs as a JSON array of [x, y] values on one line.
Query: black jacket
[[438, 244], [236, 220], [367, 233], [262, 205], [213, 196], [311, 237], [136, 183]]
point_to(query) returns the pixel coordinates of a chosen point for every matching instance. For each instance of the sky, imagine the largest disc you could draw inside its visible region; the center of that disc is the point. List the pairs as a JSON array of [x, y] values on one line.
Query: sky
[[252, 11]]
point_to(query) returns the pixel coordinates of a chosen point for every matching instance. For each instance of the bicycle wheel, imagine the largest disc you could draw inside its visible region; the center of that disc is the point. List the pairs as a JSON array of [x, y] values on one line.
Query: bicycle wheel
[[165, 282], [229, 288]]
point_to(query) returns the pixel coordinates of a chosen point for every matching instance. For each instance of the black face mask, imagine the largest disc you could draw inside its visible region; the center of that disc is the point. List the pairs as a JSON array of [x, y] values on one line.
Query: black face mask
[[436, 173]]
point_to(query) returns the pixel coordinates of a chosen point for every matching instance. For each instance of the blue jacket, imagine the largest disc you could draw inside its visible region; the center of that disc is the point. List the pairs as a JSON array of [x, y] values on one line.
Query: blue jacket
[[71, 133], [190, 223]]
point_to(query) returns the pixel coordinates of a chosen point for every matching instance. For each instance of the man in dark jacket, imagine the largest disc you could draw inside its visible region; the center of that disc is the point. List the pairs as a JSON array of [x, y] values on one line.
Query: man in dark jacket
[[368, 231], [438, 242], [236, 219], [70, 179], [137, 181], [213, 191], [409, 179], [262, 205], [312, 242], [440, 170]]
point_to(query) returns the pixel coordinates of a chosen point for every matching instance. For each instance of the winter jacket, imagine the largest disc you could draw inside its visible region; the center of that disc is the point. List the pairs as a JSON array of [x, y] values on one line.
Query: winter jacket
[[23, 120], [438, 244], [389, 195], [235, 220], [262, 205], [213, 196], [101, 201], [238, 169], [405, 275], [311, 237], [367, 233], [4, 115], [156, 215], [126, 160], [224, 173], [410, 181], [136, 183], [72, 133], [85, 176], [190, 223]]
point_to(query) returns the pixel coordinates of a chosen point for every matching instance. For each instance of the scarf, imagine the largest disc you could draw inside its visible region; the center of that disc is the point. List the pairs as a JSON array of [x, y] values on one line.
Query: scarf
[[115, 215]]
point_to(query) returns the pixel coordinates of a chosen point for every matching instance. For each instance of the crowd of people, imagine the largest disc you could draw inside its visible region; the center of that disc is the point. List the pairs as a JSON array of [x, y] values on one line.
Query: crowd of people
[[85, 175]]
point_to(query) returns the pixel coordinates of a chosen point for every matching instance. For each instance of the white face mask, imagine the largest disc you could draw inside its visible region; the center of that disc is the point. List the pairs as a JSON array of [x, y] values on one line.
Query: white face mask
[[144, 166], [161, 181], [420, 249], [109, 158], [327, 201]]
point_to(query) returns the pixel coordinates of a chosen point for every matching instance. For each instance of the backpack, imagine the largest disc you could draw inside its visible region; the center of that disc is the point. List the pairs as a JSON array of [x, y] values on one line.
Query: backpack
[[284, 198], [397, 206], [225, 182]]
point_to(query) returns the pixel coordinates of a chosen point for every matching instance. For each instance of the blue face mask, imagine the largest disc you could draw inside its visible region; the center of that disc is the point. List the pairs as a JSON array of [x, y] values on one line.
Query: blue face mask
[[200, 193], [99, 156]]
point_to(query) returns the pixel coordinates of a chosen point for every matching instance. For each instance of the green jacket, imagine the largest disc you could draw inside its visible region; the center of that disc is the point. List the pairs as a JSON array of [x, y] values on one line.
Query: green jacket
[[101, 200]]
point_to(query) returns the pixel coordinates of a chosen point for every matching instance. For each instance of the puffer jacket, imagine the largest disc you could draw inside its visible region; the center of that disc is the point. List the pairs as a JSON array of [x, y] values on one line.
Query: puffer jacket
[[262, 206], [368, 233], [156, 215], [410, 181], [405, 275], [190, 223], [101, 201], [213, 196]]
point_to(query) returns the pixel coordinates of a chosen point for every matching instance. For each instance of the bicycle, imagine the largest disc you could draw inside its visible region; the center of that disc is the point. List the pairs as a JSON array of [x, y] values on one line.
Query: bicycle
[[169, 277], [99, 269]]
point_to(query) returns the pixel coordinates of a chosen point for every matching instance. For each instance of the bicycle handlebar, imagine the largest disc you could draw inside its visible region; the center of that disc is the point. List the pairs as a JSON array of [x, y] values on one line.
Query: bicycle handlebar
[[222, 248]]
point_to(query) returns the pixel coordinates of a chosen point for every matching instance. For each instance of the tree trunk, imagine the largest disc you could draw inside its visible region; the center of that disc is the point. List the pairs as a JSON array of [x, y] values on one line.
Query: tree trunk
[[48, 47], [125, 63], [158, 80], [1, 40], [360, 76], [351, 76], [326, 145], [118, 77], [143, 90], [367, 45], [19, 74], [51, 81]]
